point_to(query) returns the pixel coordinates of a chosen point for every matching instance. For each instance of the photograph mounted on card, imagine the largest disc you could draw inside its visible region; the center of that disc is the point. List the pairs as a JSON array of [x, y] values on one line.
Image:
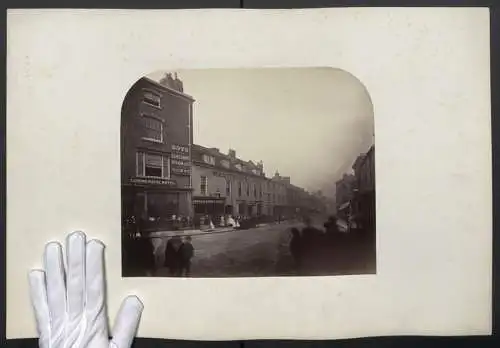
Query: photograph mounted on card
[[234, 182], [190, 209]]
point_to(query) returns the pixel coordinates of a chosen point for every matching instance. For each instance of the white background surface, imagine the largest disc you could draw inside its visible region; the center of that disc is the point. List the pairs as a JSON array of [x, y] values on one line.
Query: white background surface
[[427, 71]]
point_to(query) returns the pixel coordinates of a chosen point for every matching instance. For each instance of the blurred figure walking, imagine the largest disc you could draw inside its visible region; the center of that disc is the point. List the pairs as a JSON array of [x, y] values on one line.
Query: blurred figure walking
[[172, 259], [296, 249], [186, 253]]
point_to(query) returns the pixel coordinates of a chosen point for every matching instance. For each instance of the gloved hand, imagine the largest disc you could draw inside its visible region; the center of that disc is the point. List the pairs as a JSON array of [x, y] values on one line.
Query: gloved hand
[[69, 302]]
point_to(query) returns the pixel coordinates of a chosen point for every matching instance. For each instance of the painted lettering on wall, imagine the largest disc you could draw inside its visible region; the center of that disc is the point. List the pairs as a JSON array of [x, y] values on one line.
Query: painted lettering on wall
[[153, 180], [180, 160]]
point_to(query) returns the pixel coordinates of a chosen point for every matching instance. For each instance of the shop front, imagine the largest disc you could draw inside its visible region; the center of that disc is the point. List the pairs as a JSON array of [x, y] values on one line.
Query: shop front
[[154, 206], [228, 210], [259, 208], [242, 208], [211, 206]]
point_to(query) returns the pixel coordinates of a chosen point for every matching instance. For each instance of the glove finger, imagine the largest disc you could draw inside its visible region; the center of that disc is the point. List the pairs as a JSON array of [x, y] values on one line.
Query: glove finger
[[38, 294], [127, 322], [75, 274], [56, 289], [75, 283], [95, 290]]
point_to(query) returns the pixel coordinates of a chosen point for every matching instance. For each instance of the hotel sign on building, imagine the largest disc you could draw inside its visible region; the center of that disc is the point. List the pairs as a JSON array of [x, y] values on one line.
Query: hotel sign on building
[[153, 181]]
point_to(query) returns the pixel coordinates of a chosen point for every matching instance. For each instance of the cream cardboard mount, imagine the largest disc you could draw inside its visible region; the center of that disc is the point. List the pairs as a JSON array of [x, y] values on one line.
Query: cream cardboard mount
[[433, 162]]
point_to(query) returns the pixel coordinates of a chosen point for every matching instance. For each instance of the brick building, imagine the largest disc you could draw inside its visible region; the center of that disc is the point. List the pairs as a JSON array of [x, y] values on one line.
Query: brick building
[[156, 138]]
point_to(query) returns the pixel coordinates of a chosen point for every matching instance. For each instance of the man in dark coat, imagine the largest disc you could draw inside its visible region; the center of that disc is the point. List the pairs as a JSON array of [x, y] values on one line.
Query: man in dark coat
[[186, 253], [172, 255], [144, 253], [296, 248]]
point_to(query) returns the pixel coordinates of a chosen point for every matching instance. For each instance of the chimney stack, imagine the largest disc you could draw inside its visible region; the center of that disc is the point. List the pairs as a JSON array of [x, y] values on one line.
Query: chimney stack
[[172, 81], [232, 153]]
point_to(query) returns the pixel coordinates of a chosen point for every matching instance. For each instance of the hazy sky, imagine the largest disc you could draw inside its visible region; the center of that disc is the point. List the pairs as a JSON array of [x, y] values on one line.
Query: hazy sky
[[309, 123]]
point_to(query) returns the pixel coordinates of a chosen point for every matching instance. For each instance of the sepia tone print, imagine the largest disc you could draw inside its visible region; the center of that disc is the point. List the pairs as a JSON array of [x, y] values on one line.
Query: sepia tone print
[[248, 173]]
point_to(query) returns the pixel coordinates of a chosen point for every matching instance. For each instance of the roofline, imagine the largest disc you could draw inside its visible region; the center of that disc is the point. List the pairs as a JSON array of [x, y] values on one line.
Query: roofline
[[367, 153], [206, 165], [225, 156], [168, 89]]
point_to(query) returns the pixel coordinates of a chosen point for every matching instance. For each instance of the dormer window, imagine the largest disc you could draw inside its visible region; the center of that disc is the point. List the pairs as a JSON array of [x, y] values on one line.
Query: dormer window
[[209, 159], [225, 163], [238, 166]]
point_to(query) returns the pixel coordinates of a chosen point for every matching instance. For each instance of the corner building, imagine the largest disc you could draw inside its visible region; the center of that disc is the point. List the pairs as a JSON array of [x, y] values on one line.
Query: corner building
[[156, 138]]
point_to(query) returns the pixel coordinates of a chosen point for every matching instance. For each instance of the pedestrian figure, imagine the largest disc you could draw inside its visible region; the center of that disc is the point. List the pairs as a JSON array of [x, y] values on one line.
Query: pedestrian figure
[[197, 221], [331, 225], [145, 253], [310, 235], [296, 248], [186, 253], [231, 222], [172, 255]]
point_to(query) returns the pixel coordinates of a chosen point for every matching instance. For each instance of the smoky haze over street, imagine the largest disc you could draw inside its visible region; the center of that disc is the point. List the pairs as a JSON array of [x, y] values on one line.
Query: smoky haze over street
[[309, 124]]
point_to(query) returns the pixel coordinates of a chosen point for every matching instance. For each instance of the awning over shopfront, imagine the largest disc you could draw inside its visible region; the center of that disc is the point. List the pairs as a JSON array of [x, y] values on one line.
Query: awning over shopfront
[[209, 205], [208, 200]]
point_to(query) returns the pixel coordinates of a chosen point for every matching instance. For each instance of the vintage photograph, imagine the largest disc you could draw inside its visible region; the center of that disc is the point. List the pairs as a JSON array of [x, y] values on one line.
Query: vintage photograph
[[248, 173]]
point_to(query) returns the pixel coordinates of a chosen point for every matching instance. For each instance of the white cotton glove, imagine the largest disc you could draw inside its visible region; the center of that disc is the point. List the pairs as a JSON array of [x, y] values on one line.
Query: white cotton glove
[[69, 302]]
